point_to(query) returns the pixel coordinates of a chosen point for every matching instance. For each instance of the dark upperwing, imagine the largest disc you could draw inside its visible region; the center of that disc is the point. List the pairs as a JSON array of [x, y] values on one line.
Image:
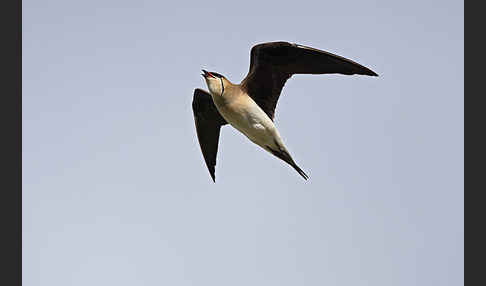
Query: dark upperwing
[[208, 124], [271, 64]]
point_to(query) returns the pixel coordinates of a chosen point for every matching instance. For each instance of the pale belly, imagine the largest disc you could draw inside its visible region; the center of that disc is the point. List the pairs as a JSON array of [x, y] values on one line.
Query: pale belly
[[253, 122]]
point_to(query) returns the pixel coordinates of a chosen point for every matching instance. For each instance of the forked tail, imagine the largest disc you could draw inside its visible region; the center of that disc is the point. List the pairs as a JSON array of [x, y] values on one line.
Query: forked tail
[[285, 156], [299, 170]]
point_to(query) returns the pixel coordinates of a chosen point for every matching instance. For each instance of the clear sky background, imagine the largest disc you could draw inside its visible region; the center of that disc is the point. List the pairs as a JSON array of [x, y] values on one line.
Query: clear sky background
[[115, 189]]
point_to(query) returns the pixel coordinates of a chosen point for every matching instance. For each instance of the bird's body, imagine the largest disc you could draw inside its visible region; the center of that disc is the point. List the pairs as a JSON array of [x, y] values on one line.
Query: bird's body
[[250, 106], [241, 111]]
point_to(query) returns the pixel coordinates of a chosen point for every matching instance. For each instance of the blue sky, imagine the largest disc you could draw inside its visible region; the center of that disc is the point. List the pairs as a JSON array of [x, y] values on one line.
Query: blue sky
[[115, 190]]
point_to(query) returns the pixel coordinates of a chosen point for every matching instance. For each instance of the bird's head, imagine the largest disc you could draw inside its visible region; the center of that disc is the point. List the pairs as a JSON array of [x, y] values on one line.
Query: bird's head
[[216, 82]]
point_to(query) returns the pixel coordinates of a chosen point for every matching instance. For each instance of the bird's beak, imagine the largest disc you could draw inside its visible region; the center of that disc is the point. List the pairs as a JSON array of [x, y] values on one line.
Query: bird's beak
[[205, 74]]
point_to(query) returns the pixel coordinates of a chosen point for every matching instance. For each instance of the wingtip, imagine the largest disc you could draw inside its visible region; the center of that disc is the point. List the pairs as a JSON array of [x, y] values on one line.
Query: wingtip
[[370, 72]]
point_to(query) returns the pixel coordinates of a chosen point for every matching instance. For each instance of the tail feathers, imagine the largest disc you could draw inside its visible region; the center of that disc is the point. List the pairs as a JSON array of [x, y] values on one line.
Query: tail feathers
[[285, 156], [299, 170]]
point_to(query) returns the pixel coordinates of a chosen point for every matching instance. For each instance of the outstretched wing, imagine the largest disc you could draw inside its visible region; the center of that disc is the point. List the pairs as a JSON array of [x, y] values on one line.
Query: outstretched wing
[[208, 124], [271, 64]]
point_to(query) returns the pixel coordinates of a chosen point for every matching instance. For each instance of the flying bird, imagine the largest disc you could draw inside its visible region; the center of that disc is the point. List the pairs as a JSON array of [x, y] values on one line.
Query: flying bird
[[250, 106]]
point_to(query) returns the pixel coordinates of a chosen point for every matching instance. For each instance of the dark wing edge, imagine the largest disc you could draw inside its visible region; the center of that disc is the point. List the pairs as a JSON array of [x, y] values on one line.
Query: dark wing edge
[[300, 59], [316, 61], [271, 64], [208, 123]]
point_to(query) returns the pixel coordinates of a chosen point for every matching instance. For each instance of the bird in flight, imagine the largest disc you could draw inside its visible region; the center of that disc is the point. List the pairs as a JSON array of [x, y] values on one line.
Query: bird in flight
[[250, 106]]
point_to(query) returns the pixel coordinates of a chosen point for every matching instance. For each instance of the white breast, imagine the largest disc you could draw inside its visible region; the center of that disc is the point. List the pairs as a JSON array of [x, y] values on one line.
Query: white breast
[[251, 120]]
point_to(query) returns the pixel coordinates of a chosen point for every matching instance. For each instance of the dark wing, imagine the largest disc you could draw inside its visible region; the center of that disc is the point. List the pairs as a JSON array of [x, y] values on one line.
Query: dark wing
[[271, 64], [208, 124]]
